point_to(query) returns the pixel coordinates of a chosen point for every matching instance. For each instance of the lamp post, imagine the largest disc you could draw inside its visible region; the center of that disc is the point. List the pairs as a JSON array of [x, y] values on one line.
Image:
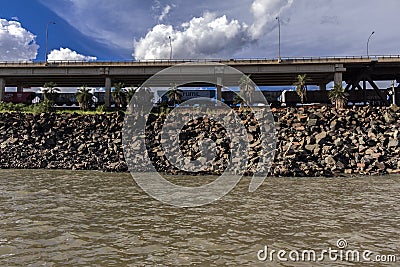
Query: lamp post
[[47, 37], [170, 45], [279, 39], [369, 38]]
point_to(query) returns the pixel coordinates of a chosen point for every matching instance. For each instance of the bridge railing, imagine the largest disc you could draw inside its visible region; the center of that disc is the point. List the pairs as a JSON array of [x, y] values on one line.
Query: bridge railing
[[336, 59]]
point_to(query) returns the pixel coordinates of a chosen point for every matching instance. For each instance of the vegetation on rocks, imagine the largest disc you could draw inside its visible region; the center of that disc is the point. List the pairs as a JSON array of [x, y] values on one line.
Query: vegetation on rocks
[[301, 86], [338, 96], [119, 96], [247, 88], [174, 95], [84, 97]]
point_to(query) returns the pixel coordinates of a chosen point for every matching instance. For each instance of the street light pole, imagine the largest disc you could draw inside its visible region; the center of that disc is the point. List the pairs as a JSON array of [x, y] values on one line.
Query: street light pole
[[279, 39], [368, 43], [170, 45], [47, 37]]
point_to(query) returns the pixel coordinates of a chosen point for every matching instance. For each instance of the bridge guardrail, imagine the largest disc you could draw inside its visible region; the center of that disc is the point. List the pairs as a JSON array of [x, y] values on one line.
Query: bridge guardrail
[[338, 59]]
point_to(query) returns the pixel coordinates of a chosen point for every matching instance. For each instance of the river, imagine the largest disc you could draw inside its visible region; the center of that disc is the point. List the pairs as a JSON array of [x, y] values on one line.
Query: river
[[78, 218]]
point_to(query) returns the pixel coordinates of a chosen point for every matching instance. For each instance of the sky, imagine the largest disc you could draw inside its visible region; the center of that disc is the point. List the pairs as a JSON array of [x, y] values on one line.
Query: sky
[[147, 29]]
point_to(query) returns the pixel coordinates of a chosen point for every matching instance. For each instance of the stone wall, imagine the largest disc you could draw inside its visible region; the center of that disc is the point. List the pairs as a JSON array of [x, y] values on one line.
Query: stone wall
[[310, 142]]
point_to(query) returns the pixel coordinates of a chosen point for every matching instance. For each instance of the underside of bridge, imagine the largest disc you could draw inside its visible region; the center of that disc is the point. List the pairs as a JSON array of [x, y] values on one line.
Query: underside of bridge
[[320, 72]]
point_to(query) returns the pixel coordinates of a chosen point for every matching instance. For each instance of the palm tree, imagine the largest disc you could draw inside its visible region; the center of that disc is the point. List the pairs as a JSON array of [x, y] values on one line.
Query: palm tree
[[84, 97], [338, 95], [143, 97], [119, 95], [247, 87], [238, 99], [129, 93], [301, 86], [50, 92], [174, 95]]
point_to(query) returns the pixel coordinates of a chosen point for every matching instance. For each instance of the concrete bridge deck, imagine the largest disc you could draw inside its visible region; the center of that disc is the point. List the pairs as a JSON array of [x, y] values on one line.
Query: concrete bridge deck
[[264, 72]]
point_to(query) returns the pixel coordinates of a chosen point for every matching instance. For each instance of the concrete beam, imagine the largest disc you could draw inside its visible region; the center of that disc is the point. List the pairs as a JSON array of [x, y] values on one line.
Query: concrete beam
[[2, 88], [107, 95]]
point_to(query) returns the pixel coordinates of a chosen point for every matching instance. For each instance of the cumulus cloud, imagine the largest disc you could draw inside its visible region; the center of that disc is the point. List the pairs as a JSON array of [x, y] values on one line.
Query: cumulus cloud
[[202, 36], [209, 35], [68, 54], [16, 43], [308, 28]]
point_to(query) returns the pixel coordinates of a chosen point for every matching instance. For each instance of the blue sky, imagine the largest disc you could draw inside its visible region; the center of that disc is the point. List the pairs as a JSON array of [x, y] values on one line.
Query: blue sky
[[140, 29]]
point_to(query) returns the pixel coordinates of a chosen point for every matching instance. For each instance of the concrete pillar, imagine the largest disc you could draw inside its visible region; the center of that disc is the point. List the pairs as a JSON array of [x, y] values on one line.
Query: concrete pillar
[[338, 78], [219, 89], [20, 88], [322, 86], [2, 88], [219, 92], [107, 95]]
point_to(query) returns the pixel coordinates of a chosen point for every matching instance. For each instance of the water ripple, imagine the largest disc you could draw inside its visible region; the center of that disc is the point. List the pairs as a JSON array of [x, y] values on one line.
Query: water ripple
[[55, 218]]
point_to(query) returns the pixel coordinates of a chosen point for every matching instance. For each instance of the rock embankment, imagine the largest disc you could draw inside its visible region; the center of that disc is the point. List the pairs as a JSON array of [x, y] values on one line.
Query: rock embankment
[[310, 142], [61, 141], [325, 142]]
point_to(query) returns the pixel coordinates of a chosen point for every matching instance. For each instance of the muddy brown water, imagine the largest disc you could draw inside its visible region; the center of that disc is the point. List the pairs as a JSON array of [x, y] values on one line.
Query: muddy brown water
[[78, 218]]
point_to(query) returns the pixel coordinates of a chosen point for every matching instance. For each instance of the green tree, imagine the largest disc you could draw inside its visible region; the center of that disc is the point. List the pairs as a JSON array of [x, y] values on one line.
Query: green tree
[[301, 87], [144, 97], [50, 92], [119, 95], [174, 95], [84, 97], [338, 95], [239, 99], [247, 88], [129, 93]]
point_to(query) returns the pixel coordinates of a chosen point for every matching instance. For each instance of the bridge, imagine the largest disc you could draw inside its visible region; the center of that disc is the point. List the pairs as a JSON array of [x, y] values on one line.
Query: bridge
[[355, 71]]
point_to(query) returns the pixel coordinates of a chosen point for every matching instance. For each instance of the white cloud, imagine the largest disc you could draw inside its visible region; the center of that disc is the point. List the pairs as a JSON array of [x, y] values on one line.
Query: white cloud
[[68, 54], [308, 28], [204, 36], [265, 11], [164, 13], [209, 35], [16, 43]]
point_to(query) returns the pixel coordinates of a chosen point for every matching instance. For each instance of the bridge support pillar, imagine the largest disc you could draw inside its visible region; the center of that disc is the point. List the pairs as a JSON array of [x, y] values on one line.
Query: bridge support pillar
[[219, 92], [219, 89], [322, 86], [338, 76], [2, 88], [20, 88], [107, 94]]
